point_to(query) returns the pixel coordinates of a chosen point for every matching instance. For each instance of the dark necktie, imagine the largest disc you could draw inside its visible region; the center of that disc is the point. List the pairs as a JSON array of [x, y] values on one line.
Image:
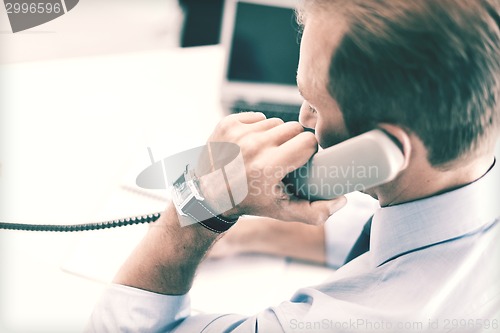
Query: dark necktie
[[362, 244]]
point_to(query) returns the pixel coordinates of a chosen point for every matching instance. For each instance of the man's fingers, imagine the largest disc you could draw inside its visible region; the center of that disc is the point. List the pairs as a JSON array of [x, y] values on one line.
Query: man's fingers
[[235, 126], [249, 117], [315, 213], [295, 152], [266, 124], [283, 133]]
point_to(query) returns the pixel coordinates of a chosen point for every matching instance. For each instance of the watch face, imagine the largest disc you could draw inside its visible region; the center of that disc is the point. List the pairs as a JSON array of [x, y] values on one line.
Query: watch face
[[183, 191], [181, 180]]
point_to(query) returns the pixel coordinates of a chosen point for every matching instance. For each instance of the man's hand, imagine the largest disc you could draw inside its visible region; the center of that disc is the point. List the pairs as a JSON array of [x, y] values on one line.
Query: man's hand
[[166, 259], [271, 149]]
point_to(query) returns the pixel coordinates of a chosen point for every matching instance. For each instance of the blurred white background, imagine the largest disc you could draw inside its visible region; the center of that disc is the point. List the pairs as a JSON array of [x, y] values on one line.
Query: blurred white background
[[95, 27]]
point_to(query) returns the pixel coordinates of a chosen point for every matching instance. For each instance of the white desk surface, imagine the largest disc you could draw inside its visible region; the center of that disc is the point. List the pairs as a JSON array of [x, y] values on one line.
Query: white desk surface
[[73, 132]]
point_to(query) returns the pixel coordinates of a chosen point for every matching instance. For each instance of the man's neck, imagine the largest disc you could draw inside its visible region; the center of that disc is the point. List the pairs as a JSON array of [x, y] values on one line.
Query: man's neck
[[420, 181]]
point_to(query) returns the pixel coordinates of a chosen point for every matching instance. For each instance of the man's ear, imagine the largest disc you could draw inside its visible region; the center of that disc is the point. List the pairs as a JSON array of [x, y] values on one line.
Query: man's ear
[[400, 135]]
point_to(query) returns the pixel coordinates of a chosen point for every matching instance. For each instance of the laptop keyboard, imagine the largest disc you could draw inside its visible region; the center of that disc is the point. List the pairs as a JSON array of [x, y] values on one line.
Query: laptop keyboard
[[287, 112]]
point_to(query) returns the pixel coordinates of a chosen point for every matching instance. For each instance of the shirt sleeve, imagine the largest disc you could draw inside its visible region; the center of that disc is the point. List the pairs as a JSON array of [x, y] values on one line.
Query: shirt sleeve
[[127, 309], [343, 228]]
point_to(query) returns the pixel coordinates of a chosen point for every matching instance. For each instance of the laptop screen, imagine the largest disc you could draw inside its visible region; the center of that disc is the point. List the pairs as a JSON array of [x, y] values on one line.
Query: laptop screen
[[265, 45]]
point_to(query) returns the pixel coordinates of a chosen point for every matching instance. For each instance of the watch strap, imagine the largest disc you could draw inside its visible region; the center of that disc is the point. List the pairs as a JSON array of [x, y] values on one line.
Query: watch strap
[[198, 211]]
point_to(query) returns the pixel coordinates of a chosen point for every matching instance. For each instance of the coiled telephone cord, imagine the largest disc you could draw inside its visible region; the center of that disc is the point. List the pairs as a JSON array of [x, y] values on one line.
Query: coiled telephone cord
[[149, 218]]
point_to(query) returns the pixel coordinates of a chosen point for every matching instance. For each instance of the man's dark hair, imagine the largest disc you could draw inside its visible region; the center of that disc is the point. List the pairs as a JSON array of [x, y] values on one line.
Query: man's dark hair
[[430, 66]]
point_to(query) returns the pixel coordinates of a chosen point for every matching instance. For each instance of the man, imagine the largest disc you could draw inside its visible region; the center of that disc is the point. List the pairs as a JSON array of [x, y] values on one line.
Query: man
[[428, 73]]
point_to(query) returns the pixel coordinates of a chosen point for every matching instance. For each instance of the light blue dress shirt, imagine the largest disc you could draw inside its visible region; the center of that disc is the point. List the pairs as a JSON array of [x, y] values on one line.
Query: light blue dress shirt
[[343, 228], [433, 266]]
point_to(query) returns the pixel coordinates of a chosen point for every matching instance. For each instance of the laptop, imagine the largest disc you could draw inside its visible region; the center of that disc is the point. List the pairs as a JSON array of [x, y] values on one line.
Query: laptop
[[261, 44]]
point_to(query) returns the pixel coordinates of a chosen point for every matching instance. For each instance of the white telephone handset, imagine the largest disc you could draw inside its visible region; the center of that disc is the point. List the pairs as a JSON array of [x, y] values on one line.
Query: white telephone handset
[[356, 164]]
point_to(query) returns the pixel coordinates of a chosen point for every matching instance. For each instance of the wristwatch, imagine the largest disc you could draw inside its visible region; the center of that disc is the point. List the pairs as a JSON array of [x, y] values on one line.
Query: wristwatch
[[189, 202]]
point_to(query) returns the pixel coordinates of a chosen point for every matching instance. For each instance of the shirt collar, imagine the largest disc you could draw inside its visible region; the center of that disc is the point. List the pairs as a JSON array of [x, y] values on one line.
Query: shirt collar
[[413, 225]]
